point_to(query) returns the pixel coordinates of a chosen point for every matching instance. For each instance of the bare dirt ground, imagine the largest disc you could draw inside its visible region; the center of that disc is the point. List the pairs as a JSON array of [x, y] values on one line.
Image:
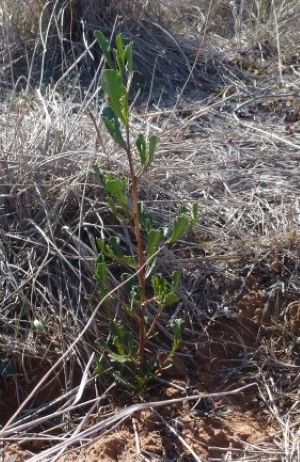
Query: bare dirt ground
[[246, 348]]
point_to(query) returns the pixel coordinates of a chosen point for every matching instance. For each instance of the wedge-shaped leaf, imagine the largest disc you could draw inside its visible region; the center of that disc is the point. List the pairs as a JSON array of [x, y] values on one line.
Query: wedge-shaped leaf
[[135, 298], [170, 298], [160, 286], [114, 251], [101, 271], [115, 357], [112, 125], [101, 244], [175, 280], [117, 187], [115, 246], [120, 44], [124, 106], [123, 341], [118, 329], [101, 276], [123, 55], [177, 327], [101, 342], [109, 253], [146, 221], [154, 238], [105, 47], [153, 139], [106, 252], [141, 380], [180, 226], [120, 54], [115, 211], [162, 290], [130, 261], [120, 345], [141, 146], [99, 366], [113, 86], [131, 344], [128, 282], [146, 152]]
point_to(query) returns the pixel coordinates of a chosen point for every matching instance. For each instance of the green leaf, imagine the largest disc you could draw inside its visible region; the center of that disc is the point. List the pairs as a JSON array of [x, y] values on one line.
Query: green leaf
[[101, 271], [175, 280], [154, 238], [106, 252], [123, 341], [114, 243], [105, 47], [101, 276], [195, 213], [119, 344], [120, 44], [153, 140], [177, 327], [101, 244], [129, 57], [116, 92], [103, 345], [141, 146], [141, 380], [146, 221], [146, 153], [135, 298], [161, 288], [131, 261], [128, 281], [115, 211], [117, 187], [170, 298], [117, 358], [159, 285], [123, 55], [112, 125], [119, 53], [180, 225], [99, 366]]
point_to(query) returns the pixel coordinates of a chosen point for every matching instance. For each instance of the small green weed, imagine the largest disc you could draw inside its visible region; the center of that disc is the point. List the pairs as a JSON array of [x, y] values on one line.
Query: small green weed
[[133, 362]]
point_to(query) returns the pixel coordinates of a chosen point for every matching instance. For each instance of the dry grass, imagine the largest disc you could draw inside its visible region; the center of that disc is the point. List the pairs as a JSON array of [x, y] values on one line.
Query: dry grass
[[223, 97]]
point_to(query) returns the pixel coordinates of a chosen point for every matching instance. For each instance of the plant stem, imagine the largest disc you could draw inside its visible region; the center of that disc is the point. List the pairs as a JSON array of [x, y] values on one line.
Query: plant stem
[[142, 270]]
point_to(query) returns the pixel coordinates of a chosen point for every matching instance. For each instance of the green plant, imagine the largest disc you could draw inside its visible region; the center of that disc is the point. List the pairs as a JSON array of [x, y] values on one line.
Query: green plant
[[133, 362]]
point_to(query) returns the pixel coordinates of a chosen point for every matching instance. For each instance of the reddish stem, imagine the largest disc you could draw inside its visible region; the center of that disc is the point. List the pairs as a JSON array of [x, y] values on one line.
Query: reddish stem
[[142, 269]]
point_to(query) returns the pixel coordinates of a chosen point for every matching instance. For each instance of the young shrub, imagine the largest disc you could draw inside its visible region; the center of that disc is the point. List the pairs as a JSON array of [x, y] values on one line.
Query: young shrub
[[132, 361]]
